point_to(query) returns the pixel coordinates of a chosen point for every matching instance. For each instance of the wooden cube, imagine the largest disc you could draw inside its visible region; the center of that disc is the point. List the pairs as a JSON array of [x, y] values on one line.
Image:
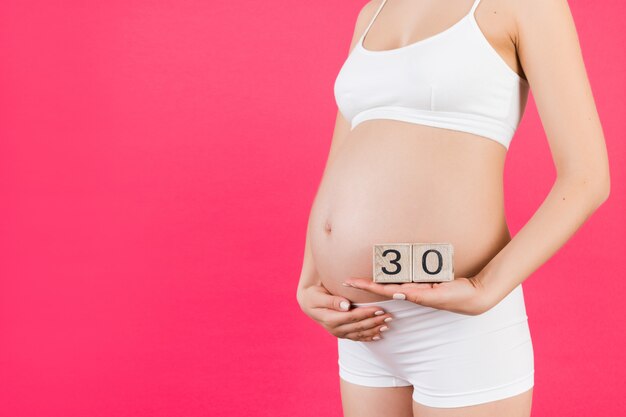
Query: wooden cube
[[432, 262], [392, 263]]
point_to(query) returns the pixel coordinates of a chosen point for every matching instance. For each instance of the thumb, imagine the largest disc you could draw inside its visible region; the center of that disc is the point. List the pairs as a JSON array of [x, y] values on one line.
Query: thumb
[[333, 302], [340, 303]]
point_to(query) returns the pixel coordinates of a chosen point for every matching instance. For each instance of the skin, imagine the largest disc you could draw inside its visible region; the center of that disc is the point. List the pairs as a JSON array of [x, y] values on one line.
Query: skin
[[538, 40]]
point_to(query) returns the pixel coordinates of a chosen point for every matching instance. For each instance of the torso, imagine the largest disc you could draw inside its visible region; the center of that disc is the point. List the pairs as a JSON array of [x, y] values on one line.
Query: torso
[[393, 181]]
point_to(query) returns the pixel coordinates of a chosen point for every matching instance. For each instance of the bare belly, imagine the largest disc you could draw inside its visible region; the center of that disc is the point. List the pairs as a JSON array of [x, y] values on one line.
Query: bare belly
[[398, 182]]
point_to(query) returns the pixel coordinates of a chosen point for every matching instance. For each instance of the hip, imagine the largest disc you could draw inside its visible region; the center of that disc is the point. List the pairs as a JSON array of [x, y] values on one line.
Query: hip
[[450, 359], [422, 336]]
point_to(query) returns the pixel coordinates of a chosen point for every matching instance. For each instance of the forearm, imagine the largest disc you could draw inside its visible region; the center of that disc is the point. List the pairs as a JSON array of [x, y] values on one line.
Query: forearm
[[567, 206]]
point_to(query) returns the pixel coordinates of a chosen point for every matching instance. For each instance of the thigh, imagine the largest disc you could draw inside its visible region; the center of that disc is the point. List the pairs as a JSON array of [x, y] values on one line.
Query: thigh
[[516, 406], [364, 401]]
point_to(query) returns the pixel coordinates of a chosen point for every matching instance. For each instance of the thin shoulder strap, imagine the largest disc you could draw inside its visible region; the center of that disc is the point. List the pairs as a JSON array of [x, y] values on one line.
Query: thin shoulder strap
[[474, 6], [373, 18]]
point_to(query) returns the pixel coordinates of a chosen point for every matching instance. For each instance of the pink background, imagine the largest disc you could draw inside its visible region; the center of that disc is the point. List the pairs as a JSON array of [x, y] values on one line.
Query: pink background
[[158, 160]]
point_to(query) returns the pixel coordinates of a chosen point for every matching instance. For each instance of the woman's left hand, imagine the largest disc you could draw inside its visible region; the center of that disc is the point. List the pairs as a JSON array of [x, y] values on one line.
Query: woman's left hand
[[461, 295]]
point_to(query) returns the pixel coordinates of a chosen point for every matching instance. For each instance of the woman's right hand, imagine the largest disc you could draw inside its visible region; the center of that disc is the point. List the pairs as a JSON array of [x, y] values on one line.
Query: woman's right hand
[[333, 312]]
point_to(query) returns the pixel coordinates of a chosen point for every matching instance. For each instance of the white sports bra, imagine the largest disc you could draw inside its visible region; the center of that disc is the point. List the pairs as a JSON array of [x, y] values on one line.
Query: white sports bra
[[453, 79]]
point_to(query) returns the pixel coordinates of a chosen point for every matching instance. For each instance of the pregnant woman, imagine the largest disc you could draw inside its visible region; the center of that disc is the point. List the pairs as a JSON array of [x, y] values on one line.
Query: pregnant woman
[[429, 98]]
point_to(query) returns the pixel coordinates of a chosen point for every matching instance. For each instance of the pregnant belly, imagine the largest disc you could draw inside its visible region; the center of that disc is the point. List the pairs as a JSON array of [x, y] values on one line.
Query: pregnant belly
[[416, 187]]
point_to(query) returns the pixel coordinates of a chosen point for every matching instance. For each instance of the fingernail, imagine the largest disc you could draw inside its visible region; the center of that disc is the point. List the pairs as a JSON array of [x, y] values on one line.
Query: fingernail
[[344, 305], [376, 337], [388, 319], [382, 329], [379, 312], [399, 296]]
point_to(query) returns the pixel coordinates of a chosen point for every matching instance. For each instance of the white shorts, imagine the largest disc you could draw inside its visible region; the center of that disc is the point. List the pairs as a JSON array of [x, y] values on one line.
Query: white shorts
[[450, 359]]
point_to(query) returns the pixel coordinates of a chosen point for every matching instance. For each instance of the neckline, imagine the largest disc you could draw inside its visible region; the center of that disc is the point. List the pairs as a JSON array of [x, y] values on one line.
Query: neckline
[[468, 17], [412, 44]]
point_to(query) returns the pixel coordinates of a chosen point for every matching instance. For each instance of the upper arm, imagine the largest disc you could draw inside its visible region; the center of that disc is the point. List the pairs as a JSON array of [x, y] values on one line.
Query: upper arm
[[550, 54], [342, 126]]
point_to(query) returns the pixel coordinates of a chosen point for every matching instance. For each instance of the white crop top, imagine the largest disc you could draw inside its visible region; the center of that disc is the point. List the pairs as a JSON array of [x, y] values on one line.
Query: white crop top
[[453, 79]]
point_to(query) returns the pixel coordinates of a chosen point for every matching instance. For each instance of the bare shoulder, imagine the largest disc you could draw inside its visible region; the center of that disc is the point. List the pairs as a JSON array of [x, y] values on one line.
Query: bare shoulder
[[365, 15], [515, 16], [535, 12], [536, 18], [368, 10], [549, 48]]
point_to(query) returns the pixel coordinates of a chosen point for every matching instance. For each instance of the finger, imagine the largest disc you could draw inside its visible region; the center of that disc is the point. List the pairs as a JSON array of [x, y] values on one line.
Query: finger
[[365, 324], [363, 283], [431, 295], [387, 290], [366, 335], [425, 294], [371, 286], [334, 319]]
